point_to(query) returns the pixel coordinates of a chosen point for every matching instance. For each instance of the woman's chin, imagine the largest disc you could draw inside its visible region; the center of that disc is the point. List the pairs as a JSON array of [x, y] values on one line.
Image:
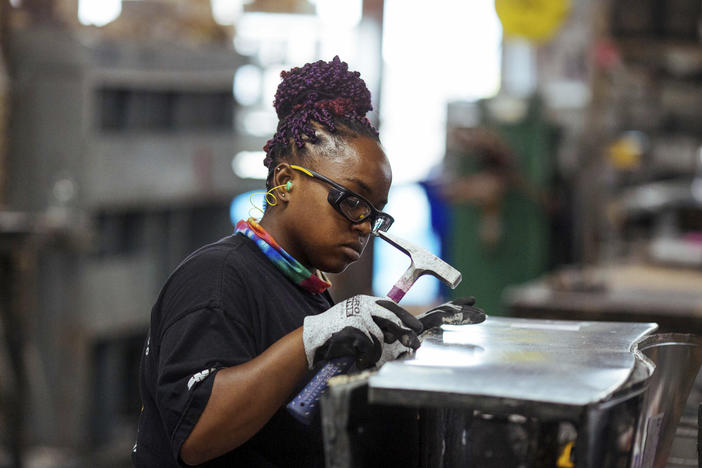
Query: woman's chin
[[337, 266]]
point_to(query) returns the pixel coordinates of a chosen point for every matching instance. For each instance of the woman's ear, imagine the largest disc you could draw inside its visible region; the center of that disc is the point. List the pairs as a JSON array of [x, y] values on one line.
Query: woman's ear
[[283, 181]]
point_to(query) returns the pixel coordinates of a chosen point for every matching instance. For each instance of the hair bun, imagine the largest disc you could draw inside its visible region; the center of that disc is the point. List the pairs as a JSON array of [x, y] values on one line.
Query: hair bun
[[323, 92], [329, 85]]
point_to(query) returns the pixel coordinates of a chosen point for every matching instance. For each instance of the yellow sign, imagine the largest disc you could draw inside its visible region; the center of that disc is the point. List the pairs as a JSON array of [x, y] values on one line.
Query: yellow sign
[[534, 20]]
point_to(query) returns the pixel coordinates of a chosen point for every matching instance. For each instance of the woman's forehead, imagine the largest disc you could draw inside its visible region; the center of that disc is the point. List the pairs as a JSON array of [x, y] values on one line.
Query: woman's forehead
[[355, 154], [362, 161]]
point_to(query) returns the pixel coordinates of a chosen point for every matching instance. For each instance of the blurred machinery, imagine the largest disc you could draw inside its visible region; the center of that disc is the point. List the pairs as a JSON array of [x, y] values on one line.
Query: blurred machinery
[[23, 240], [644, 126], [497, 179], [640, 210], [136, 137]]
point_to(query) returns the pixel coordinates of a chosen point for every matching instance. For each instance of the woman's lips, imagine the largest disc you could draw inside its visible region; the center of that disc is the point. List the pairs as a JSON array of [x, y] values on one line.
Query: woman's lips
[[352, 251]]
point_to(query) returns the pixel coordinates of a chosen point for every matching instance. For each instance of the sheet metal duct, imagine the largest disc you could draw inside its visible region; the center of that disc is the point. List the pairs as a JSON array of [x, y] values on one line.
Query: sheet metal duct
[[514, 392]]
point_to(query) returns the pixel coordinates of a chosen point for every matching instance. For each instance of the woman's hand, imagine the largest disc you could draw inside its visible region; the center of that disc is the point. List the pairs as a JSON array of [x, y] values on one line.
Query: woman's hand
[[457, 312], [366, 327]]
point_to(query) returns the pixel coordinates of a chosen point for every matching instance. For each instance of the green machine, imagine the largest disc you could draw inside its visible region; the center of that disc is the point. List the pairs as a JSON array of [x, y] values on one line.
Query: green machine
[[497, 175]]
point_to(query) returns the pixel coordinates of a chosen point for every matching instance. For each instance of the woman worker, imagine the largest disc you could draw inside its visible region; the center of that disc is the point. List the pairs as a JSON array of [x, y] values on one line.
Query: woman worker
[[240, 326]]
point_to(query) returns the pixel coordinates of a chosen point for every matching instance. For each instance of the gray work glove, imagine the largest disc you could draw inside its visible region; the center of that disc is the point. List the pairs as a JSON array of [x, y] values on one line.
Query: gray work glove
[[365, 327], [457, 312]]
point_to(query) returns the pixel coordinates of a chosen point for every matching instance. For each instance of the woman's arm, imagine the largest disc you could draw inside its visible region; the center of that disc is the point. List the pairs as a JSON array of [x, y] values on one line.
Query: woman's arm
[[244, 398]]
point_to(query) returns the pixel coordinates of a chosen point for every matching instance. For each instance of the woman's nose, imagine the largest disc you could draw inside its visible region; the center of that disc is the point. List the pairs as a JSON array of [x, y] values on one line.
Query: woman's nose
[[364, 227]]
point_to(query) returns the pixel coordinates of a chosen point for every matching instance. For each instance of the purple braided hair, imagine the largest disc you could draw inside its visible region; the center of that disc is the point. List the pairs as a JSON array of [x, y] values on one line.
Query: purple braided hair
[[323, 92]]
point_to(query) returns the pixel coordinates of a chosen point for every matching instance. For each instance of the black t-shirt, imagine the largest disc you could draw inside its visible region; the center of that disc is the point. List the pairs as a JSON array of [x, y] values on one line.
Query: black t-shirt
[[223, 306]]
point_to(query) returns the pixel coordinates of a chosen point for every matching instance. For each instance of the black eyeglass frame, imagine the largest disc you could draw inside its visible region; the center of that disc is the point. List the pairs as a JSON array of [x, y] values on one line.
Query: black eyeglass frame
[[339, 193]]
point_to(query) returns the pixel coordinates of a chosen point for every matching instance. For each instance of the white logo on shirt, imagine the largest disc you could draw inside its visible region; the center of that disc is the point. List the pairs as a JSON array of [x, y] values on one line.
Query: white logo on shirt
[[199, 377]]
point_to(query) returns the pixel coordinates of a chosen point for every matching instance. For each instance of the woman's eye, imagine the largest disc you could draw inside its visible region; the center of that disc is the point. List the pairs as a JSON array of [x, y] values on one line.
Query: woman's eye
[[352, 202]]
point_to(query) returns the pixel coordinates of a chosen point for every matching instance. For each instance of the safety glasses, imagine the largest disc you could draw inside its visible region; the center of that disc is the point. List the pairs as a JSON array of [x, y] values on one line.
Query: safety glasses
[[351, 205]]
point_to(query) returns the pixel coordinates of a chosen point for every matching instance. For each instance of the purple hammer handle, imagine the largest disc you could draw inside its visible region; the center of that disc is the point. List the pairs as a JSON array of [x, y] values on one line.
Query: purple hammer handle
[[305, 405], [396, 294]]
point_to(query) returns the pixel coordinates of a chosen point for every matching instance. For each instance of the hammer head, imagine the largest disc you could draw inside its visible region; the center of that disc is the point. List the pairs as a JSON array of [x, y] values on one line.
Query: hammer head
[[422, 262]]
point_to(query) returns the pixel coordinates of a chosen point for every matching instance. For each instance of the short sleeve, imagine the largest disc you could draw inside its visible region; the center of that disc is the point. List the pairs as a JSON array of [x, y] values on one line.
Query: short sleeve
[[192, 350]]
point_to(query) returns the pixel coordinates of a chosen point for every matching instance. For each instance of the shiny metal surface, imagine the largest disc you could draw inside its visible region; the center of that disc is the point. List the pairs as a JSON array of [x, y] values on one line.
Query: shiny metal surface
[[678, 358], [552, 361]]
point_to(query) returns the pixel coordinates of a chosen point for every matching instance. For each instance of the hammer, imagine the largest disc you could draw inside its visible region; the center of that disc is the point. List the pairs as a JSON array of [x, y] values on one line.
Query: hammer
[[304, 406]]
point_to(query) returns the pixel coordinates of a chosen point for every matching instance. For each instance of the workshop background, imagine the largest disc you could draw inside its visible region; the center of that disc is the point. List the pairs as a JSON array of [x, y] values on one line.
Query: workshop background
[[551, 151]]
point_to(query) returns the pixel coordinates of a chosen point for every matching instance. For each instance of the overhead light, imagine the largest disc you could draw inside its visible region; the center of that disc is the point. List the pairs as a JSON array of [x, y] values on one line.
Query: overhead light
[[98, 12], [249, 165], [225, 12], [247, 85], [344, 14]]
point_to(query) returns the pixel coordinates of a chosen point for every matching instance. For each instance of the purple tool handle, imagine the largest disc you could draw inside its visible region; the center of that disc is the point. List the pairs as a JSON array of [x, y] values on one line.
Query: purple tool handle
[[305, 405], [396, 294]]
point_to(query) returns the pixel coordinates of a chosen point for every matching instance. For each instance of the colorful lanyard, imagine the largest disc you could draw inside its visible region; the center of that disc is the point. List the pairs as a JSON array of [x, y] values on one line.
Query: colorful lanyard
[[290, 267]]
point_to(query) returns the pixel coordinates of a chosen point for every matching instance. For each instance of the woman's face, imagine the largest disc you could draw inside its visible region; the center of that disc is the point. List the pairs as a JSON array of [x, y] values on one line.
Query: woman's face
[[318, 235]]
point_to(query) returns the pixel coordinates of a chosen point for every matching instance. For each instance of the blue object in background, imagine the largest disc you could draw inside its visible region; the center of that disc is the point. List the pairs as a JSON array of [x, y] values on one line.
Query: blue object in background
[[241, 207], [410, 207], [440, 223]]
